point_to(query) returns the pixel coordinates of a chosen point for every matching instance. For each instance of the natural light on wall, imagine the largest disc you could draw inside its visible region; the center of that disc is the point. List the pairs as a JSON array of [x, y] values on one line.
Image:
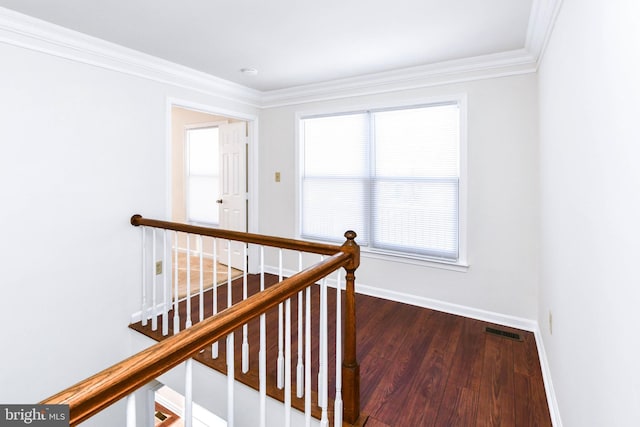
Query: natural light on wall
[[202, 175], [392, 175]]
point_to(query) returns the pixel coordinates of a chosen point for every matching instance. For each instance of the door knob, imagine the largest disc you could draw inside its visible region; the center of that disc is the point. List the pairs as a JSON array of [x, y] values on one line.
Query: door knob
[[219, 201]]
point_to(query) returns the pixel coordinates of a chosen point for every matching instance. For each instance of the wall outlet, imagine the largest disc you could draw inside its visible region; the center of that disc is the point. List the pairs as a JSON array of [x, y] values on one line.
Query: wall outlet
[[550, 322], [158, 267]]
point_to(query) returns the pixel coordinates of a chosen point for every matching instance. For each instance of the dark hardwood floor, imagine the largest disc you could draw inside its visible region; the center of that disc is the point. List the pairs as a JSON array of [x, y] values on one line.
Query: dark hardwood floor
[[418, 367]]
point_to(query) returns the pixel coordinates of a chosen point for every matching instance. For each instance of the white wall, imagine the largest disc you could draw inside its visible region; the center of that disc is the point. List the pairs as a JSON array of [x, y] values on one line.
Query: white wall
[[590, 145], [503, 198], [82, 149]]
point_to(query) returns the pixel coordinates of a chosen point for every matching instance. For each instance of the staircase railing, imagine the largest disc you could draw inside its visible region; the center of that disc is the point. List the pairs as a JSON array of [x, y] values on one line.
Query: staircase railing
[[96, 393]]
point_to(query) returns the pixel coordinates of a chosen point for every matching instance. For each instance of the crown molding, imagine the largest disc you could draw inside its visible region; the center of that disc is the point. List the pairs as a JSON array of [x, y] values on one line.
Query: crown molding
[[541, 22], [30, 33], [23, 31], [449, 72]]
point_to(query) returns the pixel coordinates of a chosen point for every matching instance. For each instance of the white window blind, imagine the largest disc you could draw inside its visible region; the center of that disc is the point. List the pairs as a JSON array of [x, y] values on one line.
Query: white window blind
[[390, 175], [202, 175]]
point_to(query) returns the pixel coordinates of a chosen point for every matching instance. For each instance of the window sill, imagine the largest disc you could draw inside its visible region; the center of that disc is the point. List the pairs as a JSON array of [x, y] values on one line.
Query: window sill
[[462, 267]]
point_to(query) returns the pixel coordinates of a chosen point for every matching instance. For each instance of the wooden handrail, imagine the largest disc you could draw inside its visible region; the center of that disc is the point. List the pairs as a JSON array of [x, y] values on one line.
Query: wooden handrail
[[259, 239], [94, 394]]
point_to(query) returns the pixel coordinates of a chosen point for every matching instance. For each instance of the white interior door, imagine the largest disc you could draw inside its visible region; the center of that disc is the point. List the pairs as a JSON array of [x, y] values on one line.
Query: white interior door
[[233, 190]]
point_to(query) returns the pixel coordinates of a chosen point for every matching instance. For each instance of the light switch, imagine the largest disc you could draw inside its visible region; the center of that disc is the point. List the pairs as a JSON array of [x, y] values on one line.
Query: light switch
[[277, 176]]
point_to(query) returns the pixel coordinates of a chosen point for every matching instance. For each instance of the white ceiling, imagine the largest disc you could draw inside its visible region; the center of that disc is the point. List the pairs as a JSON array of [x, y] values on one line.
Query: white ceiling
[[296, 42]]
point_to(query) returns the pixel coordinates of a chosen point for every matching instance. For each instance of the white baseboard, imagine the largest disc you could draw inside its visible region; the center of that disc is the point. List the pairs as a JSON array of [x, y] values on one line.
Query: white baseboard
[[554, 410], [460, 310], [447, 307], [159, 309]]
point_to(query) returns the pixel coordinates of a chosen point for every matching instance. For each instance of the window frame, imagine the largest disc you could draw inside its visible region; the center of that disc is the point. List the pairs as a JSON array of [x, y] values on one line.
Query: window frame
[[461, 264]]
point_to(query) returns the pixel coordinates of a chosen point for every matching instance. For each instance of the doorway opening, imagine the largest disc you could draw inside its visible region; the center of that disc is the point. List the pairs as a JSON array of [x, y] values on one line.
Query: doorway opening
[[208, 169], [209, 188]]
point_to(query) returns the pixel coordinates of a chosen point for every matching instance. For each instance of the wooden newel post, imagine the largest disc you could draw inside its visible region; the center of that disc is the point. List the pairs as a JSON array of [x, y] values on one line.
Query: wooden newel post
[[350, 367]]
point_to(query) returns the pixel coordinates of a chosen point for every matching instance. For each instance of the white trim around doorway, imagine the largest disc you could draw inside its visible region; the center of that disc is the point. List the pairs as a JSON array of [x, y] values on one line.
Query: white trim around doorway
[[252, 156]]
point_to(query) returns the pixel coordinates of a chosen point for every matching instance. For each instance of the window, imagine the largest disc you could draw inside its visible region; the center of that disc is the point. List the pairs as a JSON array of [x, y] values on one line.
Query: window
[[391, 175], [202, 175]]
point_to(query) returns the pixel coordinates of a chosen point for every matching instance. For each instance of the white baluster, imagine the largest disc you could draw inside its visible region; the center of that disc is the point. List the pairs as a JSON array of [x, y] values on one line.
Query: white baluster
[[229, 287], [324, 420], [131, 410], [214, 346], [176, 298], [307, 359], [321, 343], [165, 287], [188, 393], [245, 327], [230, 380], [188, 322], [143, 311], [230, 347], [287, 364], [337, 407], [280, 362], [262, 354], [201, 295], [300, 365], [154, 300]]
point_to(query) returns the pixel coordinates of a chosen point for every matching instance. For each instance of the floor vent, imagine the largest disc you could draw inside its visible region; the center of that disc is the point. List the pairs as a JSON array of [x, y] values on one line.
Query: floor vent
[[504, 334]]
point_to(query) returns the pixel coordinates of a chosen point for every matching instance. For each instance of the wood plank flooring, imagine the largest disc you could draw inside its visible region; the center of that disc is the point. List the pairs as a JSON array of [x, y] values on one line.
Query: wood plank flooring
[[418, 367]]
